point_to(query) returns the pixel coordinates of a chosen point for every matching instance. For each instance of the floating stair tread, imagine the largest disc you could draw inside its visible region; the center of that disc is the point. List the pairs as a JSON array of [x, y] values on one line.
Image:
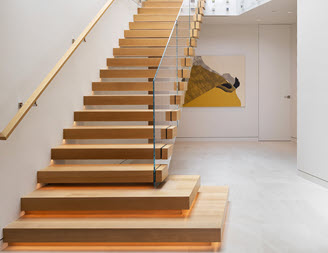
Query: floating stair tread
[[169, 61], [136, 86], [203, 223], [158, 33], [102, 173], [132, 99], [175, 193], [111, 151], [126, 115], [119, 132], [147, 17], [155, 42], [133, 62], [158, 10], [162, 4]]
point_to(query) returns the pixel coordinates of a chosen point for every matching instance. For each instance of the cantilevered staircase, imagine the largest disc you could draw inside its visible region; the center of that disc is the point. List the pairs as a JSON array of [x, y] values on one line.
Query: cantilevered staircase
[[110, 182]]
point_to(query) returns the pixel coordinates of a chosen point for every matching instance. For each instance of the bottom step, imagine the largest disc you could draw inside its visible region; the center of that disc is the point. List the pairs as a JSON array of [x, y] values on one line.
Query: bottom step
[[203, 223]]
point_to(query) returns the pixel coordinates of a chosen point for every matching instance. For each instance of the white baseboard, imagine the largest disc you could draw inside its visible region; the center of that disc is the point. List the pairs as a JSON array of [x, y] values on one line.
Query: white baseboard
[[182, 139], [313, 178]]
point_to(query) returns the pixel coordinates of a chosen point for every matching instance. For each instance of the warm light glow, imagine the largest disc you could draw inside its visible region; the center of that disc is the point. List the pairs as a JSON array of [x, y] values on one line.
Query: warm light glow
[[150, 247], [108, 214]]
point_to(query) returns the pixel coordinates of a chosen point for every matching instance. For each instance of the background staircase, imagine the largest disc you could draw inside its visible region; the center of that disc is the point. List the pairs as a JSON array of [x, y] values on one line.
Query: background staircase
[[99, 187]]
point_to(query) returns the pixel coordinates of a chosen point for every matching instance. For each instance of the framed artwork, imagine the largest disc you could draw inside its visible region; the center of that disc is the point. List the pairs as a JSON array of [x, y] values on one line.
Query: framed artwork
[[216, 81]]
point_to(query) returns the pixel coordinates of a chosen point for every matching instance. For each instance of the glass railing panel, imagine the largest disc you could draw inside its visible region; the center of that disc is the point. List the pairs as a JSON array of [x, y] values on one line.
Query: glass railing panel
[[168, 95]]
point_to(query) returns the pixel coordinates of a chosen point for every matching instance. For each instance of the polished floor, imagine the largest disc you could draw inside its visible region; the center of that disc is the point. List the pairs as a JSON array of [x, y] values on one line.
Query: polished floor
[[272, 209]]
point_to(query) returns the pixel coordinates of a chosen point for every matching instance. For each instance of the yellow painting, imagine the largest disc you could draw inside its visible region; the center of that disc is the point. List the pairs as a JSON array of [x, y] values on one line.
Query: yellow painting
[[216, 81]]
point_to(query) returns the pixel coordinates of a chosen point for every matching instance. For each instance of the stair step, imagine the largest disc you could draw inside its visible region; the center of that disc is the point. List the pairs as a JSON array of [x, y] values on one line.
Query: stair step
[[159, 42], [120, 132], [137, 86], [111, 151], [138, 52], [133, 62], [127, 115], [183, 33], [144, 73], [152, 10], [102, 173], [176, 4], [175, 193], [133, 99], [148, 62], [154, 18], [162, 25], [168, 17], [165, 1], [204, 223], [170, 51]]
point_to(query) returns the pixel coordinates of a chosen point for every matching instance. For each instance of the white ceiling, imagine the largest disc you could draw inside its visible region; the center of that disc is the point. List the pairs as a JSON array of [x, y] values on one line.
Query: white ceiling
[[274, 12]]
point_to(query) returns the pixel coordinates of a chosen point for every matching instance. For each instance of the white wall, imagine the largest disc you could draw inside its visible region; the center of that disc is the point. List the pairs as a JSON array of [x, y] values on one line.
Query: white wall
[[35, 34], [225, 122], [293, 76], [312, 88]]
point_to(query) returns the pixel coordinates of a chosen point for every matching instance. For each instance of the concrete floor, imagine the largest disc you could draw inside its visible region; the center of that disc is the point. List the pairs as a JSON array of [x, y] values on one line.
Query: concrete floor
[[271, 208]]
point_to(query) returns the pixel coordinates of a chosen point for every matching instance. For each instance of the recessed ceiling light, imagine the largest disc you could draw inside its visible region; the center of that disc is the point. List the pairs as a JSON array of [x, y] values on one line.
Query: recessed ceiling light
[[290, 12]]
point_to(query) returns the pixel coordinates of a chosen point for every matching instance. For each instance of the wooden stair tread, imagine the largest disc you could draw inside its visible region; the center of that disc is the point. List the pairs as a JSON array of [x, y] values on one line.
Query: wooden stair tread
[[133, 99], [102, 173], [111, 151], [162, 4], [171, 51], [155, 42], [158, 33], [166, 17], [136, 86], [154, 18], [109, 146], [120, 132], [162, 25], [175, 193], [147, 62], [126, 115], [158, 10], [204, 223], [138, 62], [169, 73]]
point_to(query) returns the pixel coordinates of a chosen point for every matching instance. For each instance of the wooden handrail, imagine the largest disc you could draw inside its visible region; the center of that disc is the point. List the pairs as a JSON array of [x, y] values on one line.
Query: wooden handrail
[[4, 135]]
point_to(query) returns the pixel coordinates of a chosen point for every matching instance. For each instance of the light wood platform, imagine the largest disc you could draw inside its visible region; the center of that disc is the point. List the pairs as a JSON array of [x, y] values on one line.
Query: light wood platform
[[176, 192], [203, 223]]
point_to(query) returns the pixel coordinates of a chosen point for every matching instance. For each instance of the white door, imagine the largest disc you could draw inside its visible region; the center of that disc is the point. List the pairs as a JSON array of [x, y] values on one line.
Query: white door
[[274, 82]]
